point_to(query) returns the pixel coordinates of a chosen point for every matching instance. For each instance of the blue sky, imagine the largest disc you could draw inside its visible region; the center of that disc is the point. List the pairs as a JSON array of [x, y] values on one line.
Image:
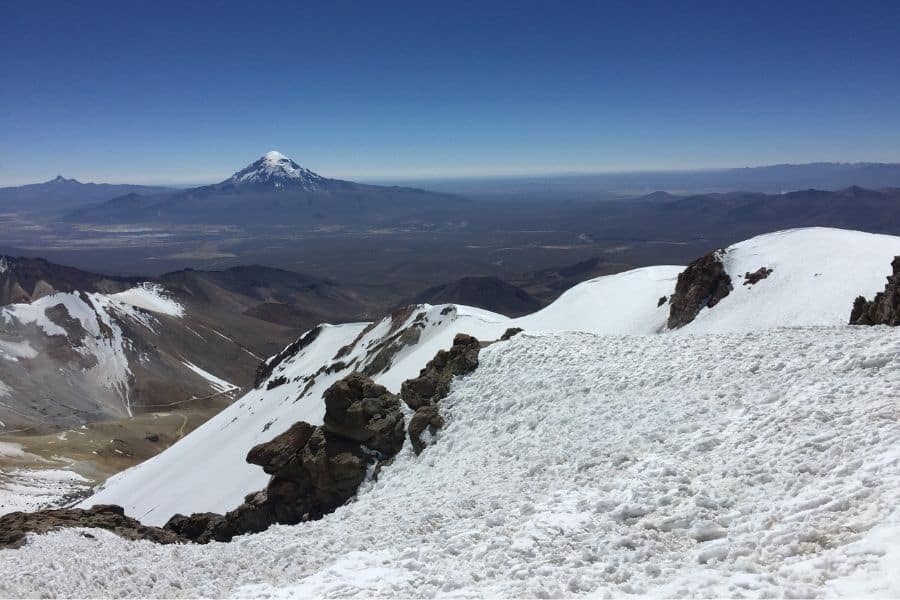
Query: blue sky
[[191, 91]]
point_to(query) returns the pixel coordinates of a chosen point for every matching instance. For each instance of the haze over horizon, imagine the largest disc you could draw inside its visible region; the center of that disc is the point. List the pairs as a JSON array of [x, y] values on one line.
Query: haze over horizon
[[156, 94]]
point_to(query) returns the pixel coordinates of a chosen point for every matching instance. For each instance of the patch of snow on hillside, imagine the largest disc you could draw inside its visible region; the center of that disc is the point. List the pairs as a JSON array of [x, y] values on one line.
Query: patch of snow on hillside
[[764, 464], [217, 383], [151, 297]]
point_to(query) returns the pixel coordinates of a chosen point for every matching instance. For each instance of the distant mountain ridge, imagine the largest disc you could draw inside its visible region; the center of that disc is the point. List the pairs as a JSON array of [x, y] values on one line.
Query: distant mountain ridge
[[61, 193]]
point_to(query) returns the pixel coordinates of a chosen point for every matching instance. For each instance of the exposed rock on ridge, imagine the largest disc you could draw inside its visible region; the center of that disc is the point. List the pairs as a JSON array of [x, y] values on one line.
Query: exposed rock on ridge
[[702, 284], [884, 309], [423, 393], [314, 469]]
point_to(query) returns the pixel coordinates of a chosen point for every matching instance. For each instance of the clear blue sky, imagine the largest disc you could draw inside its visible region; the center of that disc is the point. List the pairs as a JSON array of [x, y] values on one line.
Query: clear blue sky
[[191, 91]]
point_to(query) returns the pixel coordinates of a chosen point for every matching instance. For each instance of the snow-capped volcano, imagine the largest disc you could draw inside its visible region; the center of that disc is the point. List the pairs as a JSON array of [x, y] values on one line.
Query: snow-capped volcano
[[274, 169]]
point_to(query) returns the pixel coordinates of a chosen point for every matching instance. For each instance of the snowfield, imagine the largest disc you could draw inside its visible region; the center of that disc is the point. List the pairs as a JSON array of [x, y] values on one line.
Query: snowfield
[[751, 464]]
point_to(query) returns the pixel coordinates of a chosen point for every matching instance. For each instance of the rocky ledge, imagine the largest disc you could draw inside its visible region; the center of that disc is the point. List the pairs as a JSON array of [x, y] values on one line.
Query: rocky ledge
[[14, 527]]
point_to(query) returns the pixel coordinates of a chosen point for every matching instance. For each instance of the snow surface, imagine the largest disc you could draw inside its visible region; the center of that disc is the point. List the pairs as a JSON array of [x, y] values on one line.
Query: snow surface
[[218, 384], [760, 464], [33, 489], [151, 297]]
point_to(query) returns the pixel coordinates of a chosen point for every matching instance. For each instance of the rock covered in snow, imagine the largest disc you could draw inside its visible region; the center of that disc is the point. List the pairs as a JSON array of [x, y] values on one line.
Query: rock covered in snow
[[884, 309]]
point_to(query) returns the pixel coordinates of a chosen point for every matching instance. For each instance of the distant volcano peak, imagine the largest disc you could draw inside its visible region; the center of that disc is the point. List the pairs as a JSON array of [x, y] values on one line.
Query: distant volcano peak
[[274, 169]]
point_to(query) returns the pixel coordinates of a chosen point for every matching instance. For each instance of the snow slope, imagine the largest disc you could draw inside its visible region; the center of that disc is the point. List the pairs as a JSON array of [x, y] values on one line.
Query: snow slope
[[626, 303], [816, 274], [760, 464]]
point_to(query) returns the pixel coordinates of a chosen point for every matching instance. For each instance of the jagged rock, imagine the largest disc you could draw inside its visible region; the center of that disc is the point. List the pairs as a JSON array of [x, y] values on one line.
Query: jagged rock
[[314, 469], [423, 393], [662, 300], [425, 417], [511, 333], [702, 284], [433, 382], [275, 455], [358, 408], [335, 467], [198, 527], [756, 276], [884, 309], [15, 526]]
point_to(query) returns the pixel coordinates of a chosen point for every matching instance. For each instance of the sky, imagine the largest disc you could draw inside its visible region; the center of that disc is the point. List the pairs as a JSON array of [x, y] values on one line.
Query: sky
[[189, 92]]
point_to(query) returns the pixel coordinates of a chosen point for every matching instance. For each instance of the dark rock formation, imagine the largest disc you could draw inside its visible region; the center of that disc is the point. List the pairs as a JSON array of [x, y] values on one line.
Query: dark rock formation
[[360, 409], [662, 300], [425, 417], [884, 309], [756, 276], [702, 284], [511, 333], [423, 393], [15, 526], [314, 469]]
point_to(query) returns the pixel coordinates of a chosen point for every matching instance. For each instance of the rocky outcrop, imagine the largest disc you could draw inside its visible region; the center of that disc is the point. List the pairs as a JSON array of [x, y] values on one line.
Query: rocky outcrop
[[14, 527], [757, 275], [314, 469], [701, 285], [423, 393], [511, 333], [884, 309]]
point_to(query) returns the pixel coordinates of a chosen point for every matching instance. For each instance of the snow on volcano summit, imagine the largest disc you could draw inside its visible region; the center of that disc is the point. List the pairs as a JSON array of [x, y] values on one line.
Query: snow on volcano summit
[[277, 170]]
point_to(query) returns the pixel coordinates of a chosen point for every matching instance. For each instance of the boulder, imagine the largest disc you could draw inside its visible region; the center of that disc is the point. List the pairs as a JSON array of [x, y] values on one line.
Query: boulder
[[510, 333], [757, 275], [359, 409], [701, 285], [275, 455]]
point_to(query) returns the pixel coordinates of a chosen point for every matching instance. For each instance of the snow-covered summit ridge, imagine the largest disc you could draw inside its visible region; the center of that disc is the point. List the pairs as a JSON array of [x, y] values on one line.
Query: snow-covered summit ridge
[[275, 169], [816, 275]]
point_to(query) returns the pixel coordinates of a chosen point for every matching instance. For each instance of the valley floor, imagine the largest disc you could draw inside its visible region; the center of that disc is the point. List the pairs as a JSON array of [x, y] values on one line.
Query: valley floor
[[760, 464]]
